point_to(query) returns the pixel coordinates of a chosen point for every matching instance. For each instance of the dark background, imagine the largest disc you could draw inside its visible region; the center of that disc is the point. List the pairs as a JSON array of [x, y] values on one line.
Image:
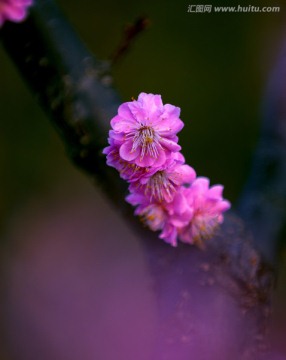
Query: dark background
[[215, 67]]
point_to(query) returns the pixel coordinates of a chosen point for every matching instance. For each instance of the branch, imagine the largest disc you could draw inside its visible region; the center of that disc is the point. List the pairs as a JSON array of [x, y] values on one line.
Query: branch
[[68, 82], [130, 33], [263, 202]]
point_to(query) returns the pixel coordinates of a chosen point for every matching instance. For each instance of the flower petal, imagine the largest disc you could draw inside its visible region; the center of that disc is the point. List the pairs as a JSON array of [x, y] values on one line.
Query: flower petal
[[125, 113], [169, 235], [186, 174], [126, 151], [120, 124], [169, 144], [215, 192]]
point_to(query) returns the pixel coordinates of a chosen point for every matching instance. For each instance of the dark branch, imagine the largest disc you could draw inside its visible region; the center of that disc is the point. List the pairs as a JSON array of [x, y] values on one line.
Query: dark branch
[[263, 203], [69, 84]]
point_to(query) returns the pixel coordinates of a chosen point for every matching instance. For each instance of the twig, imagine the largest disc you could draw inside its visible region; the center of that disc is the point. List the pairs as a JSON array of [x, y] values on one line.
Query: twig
[[131, 32]]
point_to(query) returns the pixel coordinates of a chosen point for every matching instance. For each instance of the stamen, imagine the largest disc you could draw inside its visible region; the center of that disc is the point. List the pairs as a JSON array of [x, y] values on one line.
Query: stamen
[[154, 217], [205, 227], [160, 186], [146, 138]]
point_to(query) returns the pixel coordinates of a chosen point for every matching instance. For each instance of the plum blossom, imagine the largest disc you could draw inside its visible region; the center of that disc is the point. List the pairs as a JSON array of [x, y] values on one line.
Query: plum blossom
[[161, 183], [165, 191], [13, 10], [198, 211], [147, 129], [193, 215], [128, 170], [154, 215]]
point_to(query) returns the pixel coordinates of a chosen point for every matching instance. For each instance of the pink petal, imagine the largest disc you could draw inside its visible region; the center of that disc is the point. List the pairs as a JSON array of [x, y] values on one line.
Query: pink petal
[[187, 174], [120, 124], [134, 198], [15, 13], [150, 101], [22, 2], [169, 144], [180, 204], [115, 137], [148, 160], [186, 235], [107, 150], [215, 192], [169, 235], [138, 113], [223, 206], [178, 157], [126, 152], [201, 184], [125, 113], [169, 127], [144, 161], [161, 159], [172, 111]]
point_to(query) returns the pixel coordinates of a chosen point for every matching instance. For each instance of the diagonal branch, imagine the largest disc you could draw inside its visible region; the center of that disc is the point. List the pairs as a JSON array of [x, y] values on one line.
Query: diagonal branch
[[71, 86]]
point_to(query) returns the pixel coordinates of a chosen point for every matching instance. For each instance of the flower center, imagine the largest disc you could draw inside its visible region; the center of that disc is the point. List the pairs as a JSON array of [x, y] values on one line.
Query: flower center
[[204, 226], [154, 217], [146, 138], [160, 186]]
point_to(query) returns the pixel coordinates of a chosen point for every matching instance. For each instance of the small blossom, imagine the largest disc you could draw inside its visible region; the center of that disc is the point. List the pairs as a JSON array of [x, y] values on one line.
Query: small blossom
[[149, 130], [162, 183], [192, 216], [128, 170], [208, 208], [153, 215], [13, 10]]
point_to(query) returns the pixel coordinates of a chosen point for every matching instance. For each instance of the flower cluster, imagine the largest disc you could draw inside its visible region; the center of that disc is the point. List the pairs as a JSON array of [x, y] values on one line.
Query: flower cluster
[[143, 147], [13, 10]]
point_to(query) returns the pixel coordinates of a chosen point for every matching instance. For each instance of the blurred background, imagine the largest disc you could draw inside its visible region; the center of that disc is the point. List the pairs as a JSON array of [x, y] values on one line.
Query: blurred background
[[213, 66]]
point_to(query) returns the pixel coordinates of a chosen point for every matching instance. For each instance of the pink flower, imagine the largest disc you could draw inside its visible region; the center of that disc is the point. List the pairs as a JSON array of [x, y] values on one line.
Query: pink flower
[[13, 10], [148, 130], [208, 207], [192, 216], [128, 170], [169, 234], [161, 183], [153, 215], [165, 191]]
